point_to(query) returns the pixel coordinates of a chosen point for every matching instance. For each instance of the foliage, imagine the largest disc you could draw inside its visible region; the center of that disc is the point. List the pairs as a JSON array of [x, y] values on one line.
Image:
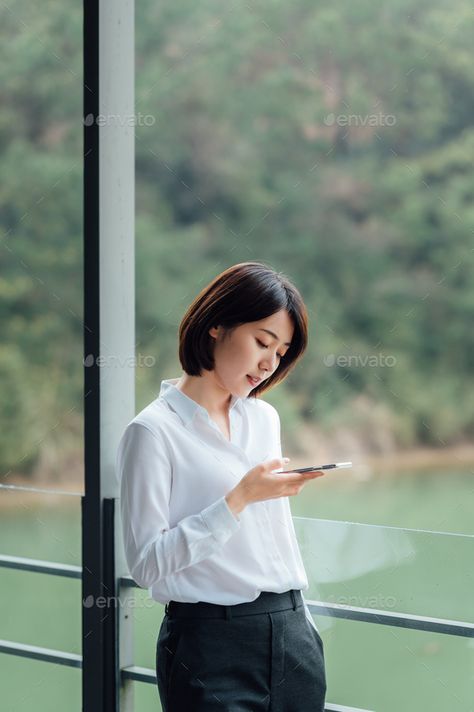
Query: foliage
[[333, 142]]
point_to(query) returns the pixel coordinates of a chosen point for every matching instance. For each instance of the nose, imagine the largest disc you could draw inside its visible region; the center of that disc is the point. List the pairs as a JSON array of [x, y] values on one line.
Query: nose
[[269, 364]]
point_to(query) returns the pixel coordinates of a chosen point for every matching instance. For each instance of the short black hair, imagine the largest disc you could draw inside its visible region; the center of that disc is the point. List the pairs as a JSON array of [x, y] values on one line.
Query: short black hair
[[245, 292]]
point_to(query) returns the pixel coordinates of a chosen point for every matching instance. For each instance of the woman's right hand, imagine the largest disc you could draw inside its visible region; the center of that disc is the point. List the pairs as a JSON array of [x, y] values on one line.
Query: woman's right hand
[[261, 482]]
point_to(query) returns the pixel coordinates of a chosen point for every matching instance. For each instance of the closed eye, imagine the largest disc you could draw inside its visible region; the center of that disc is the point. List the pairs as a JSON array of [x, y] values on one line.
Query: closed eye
[[264, 346]]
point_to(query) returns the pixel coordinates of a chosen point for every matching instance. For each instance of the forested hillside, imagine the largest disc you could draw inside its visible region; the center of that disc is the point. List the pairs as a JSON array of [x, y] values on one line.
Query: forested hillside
[[333, 142]]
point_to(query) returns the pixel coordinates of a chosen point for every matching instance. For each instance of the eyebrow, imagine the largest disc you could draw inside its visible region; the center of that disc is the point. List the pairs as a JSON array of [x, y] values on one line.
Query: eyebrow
[[274, 336]]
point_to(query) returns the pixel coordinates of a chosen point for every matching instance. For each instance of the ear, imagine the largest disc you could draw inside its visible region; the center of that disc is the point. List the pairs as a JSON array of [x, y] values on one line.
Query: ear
[[214, 331]]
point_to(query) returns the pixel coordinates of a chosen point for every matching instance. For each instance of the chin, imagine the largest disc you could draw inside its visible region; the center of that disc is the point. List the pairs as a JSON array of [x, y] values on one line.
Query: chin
[[242, 389]]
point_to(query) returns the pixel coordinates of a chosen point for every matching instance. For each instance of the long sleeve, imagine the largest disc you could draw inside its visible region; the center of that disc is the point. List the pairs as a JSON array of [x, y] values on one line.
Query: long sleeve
[[154, 551]]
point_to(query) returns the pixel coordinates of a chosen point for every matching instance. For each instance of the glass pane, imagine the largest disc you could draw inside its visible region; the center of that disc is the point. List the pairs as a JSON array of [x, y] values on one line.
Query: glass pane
[[147, 616], [34, 685], [41, 363], [40, 609], [435, 498], [387, 669], [147, 698], [39, 526], [403, 570]]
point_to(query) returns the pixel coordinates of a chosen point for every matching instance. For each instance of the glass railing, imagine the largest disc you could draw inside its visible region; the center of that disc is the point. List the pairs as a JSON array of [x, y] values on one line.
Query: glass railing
[[359, 576], [40, 599], [388, 569], [392, 669]]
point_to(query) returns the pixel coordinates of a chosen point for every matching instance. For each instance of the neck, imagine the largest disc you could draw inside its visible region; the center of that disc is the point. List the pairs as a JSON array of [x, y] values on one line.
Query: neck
[[206, 392]]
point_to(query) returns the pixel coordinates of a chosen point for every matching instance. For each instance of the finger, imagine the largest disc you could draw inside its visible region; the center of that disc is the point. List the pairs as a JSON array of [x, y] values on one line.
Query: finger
[[305, 476], [312, 475], [277, 463], [297, 479]]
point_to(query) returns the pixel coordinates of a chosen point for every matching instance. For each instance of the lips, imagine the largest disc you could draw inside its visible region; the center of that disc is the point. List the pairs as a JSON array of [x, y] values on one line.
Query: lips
[[253, 381]]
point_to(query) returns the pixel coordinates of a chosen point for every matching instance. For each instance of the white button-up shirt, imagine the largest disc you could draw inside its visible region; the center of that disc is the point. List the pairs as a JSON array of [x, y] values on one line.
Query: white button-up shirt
[[181, 539]]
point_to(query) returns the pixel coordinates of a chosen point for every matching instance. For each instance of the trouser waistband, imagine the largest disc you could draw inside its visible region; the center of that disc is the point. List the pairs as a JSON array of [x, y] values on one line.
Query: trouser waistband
[[266, 602]]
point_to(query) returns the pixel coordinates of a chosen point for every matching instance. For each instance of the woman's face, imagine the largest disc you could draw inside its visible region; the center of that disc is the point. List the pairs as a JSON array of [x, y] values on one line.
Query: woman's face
[[250, 350]]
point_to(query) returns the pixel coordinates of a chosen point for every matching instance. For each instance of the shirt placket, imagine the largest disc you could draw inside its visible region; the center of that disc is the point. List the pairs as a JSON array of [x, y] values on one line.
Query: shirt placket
[[203, 419], [271, 546], [262, 516]]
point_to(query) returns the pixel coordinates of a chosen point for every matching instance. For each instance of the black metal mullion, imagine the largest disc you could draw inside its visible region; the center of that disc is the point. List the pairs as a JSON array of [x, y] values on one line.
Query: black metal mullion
[[93, 639]]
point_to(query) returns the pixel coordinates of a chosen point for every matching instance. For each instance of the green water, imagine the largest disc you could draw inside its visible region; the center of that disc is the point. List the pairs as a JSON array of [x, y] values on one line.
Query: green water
[[370, 666]]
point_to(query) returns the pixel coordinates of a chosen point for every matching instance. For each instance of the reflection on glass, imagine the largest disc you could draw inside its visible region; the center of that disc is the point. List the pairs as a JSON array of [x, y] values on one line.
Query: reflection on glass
[[387, 568]]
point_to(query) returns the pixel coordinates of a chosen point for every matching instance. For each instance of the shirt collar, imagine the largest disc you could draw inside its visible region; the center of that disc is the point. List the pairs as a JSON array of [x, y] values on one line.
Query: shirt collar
[[182, 404]]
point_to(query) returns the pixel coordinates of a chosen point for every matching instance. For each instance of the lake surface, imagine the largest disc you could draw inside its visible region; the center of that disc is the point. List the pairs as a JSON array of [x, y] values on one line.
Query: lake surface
[[389, 566]]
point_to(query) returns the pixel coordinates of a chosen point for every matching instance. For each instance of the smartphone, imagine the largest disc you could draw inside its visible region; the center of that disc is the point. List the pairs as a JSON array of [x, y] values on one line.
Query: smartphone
[[332, 466]]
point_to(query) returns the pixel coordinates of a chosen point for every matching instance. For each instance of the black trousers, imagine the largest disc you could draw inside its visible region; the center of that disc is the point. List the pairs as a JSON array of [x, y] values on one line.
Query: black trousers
[[262, 656]]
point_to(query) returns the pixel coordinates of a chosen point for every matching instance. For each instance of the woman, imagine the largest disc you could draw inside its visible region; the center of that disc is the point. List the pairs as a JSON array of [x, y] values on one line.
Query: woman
[[206, 519]]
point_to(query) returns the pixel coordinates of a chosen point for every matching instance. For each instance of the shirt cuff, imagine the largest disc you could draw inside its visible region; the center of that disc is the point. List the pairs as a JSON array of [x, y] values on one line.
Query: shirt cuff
[[220, 520]]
